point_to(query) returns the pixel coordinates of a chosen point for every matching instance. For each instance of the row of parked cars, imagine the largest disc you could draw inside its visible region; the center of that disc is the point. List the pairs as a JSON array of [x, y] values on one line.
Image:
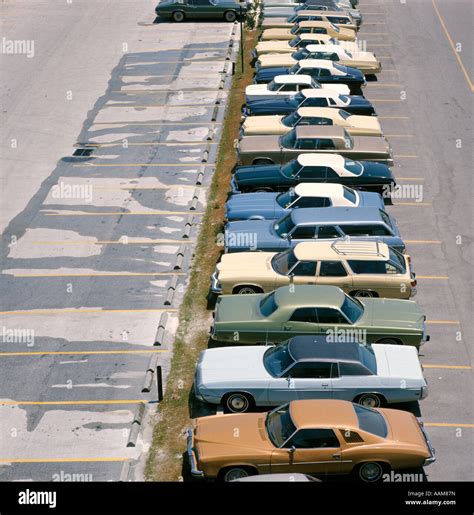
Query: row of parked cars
[[313, 317]]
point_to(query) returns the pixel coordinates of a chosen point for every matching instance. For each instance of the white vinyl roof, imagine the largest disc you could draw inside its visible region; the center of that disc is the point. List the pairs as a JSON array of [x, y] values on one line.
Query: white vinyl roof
[[342, 249], [319, 93], [312, 36], [293, 79], [314, 189], [327, 48], [327, 112], [335, 160], [317, 63]]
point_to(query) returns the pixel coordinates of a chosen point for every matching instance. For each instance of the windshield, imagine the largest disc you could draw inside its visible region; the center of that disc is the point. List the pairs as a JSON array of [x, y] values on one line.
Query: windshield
[[301, 54], [268, 305], [341, 68], [290, 169], [295, 41], [292, 119], [295, 29], [371, 421], [335, 28], [353, 166], [277, 359], [279, 425], [350, 195], [288, 140], [283, 262], [352, 309], [294, 69], [273, 86], [344, 114], [386, 218], [397, 259], [286, 198], [284, 226], [367, 358]]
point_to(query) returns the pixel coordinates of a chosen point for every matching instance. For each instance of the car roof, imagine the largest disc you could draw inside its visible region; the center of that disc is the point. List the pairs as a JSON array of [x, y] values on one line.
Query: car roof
[[314, 23], [293, 79], [322, 159], [309, 347], [310, 295], [327, 112], [326, 413], [315, 189], [319, 131], [326, 48], [322, 12], [317, 63], [310, 36], [335, 215], [342, 249]]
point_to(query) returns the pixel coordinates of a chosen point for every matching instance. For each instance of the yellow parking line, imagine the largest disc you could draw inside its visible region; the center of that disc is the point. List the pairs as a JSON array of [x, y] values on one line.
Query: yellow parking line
[[80, 353], [106, 274], [455, 367], [159, 165], [160, 187], [434, 277], [453, 48], [421, 179], [189, 60], [158, 123], [61, 460], [399, 135], [180, 90], [363, 36], [207, 106], [84, 311], [420, 204], [446, 424], [393, 117], [386, 85], [112, 242], [181, 49], [385, 100], [57, 403], [442, 322], [132, 213], [424, 241], [146, 144], [399, 156]]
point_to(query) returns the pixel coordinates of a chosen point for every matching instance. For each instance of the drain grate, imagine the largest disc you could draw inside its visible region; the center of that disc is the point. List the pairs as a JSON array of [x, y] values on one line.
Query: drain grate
[[83, 152]]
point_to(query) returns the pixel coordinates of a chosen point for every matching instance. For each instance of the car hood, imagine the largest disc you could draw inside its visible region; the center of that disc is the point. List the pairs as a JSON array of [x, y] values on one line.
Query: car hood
[[260, 124], [404, 428], [274, 105], [358, 101], [215, 436], [371, 144], [258, 263], [231, 364], [273, 46], [254, 173], [238, 308], [365, 122], [271, 34], [257, 89], [244, 205], [392, 313], [370, 199], [379, 170], [397, 361], [267, 74], [276, 60], [270, 143], [251, 234]]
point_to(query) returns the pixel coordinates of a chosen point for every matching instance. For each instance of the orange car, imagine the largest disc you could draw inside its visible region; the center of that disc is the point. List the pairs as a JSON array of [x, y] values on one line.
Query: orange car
[[308, 436]]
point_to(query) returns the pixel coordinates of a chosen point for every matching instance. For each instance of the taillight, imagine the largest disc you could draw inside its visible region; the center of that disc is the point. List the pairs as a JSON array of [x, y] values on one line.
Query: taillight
[[413, 283]]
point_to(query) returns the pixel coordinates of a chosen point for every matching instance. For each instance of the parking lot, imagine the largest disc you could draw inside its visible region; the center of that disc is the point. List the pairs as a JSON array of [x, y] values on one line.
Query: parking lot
[[100, 220], [102, 211]]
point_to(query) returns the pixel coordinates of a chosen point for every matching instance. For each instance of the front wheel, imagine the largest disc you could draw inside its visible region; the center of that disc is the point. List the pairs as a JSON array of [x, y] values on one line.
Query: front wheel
[[370, 472], [178, 16], [230, 16], [233, 473], [247, 290]]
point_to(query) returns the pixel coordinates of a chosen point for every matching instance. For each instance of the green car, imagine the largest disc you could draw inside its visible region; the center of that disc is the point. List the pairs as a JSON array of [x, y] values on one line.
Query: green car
[[297, 310], [179, 10]]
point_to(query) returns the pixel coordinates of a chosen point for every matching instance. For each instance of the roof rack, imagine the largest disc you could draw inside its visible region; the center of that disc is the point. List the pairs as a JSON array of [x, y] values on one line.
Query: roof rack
[[355, 247]]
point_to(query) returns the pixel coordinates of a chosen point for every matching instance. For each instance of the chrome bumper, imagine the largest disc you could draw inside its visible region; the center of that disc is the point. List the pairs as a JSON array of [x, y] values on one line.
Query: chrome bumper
[[195, 472], [432, 457], [215, 286]]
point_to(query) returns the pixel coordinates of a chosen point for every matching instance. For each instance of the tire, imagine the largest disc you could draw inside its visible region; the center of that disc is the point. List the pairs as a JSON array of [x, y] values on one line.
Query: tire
[[263, 162], [364, 294], [247, 290], [370, 400], [230, 16], [390, 341], [370, 472], [237, 402], [178, 16], [233, 473]]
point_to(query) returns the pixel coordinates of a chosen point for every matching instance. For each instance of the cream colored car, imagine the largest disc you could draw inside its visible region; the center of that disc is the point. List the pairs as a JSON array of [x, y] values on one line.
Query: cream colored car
[[275, 124], [301, 41], [366, 62], [309, 27], [339, 19], [361, 269]]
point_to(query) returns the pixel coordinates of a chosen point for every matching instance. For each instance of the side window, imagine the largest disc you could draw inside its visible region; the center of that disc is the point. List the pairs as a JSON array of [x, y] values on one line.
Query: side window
[[332, 269], [316, 370], [368, 267], [315, 172], [312, 202], [390, 268], [318, 30], [316, 102], [328, 231], [323, 72], [287, 87], [313, 439], [332, 174], [334, 57], [330, 316], [324, 144], [332, 102], [306, 144], [304, 315], [303, 233], [364, 230], [305, 268], [353, 369]]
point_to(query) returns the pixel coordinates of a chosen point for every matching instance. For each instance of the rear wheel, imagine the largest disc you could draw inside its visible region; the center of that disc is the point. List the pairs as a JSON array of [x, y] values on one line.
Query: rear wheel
[[370, 471], [390, 341], [370, 400], [263, 162], [247, 290], [178, 16], [237, 402], [364, 293], [230, 16], [233, 473]]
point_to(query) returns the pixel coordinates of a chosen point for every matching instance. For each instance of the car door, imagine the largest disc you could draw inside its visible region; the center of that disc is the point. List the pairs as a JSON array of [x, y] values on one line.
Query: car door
[[313, 174], [316, 451], [328, 232], [302, 233], [334, 273], [301, 321], [351, 380], [331, 321], [304, 272]]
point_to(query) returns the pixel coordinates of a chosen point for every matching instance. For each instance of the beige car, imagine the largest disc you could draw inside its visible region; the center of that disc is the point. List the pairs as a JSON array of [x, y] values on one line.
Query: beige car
[[309, 27], [301, 41], [343, 20], [361, 269], [276, 124], [366, 62]]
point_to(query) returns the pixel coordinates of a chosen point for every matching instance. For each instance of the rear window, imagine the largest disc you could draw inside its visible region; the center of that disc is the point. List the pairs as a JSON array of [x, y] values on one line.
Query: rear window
[[268, 305], [367, 267], [350, 195], [371, 421]]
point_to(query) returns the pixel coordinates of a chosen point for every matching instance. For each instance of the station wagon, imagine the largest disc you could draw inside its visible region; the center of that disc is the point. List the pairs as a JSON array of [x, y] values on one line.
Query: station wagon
[[309, 27], [339, 19]]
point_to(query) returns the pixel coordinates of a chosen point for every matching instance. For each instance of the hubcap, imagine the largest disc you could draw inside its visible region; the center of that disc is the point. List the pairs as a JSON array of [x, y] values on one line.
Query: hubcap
[[237, 403], [246, 291], [370, 401], [364, 294], [370, 471], [235, 474]]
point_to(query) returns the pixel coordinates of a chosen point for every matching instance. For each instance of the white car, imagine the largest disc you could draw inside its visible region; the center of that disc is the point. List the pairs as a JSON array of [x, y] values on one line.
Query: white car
[[288, 85], [309, 367]]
